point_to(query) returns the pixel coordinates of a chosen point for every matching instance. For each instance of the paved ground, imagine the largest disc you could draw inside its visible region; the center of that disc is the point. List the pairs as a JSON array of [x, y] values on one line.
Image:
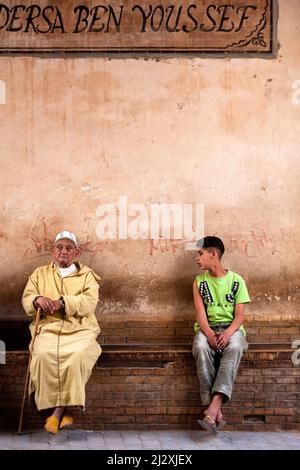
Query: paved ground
[[151, 440]]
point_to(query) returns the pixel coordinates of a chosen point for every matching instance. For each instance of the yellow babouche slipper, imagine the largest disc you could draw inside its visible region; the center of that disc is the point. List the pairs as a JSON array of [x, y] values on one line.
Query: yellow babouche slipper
[[66, 421], [52, 425]]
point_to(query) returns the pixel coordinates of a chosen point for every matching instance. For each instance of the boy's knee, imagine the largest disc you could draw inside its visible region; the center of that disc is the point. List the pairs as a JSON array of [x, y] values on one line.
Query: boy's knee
[[236, 347]]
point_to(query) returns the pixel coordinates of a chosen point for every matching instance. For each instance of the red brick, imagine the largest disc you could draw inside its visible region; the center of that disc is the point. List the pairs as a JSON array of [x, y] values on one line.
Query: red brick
[[169, 397]]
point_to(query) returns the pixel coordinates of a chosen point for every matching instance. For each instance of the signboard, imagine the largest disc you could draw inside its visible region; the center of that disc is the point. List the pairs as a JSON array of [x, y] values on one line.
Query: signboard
[[138, 26]]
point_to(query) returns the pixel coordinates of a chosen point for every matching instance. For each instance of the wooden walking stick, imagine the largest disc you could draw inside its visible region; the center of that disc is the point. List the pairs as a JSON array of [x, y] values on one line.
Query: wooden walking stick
[[37, 320]]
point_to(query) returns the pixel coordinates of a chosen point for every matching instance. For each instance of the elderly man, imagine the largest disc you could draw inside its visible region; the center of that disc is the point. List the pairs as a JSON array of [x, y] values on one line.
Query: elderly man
[[65, 348]]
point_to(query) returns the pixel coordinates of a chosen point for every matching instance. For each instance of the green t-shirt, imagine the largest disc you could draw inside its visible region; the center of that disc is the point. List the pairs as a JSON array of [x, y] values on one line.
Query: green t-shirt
[[220, 295]]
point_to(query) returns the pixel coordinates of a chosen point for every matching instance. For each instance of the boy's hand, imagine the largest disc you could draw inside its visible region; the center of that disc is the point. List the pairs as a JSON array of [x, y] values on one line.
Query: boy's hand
[[222, 339], [212, 339]]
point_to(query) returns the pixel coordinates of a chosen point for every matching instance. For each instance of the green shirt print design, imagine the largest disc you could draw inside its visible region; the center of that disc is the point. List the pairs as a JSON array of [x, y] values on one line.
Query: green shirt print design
[[220, 295]]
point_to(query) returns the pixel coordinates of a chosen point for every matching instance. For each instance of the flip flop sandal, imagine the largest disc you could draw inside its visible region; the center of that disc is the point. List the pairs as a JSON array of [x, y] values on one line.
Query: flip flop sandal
[[221, 424], [51, 425], [208, 424], [66, 421]]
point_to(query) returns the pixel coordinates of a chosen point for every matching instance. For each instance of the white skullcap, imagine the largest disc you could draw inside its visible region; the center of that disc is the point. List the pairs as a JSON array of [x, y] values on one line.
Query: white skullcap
[[68, 235]]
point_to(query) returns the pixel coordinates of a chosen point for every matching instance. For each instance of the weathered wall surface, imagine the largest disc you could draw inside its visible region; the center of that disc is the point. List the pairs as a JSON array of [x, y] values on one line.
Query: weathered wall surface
[[79, 132]]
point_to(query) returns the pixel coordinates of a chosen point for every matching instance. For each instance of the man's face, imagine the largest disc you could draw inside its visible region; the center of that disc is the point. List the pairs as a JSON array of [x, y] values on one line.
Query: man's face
[[64, 251], [204, 259]]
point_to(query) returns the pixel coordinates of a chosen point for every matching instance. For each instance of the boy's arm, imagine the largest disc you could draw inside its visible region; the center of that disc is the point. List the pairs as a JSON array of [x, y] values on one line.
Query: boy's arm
[[202, 318], [239, 317]]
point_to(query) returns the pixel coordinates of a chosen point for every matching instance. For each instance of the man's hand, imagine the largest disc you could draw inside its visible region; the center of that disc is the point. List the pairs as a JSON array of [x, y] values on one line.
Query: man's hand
[[212, 339], [222, 339], [47, 305]]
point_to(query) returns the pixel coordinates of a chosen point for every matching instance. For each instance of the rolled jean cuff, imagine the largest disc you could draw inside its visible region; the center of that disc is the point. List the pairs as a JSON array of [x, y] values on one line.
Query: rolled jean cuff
[[226, 393]]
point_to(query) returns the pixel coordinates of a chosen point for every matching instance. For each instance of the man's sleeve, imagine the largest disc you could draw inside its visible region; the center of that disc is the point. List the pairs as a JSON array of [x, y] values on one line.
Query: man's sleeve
[[85, 303], [242, 295], [31, 291]]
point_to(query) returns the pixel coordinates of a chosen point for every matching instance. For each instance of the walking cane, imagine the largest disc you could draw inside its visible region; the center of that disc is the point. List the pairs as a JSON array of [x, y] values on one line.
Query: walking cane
[[37, 320]]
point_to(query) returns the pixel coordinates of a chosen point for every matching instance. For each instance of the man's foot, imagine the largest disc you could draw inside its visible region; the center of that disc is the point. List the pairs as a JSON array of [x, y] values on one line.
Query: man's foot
[[52, 424], [66, 421]]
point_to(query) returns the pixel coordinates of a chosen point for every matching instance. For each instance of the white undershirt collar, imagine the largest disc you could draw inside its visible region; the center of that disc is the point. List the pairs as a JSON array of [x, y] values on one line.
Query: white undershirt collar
[[66, 271]]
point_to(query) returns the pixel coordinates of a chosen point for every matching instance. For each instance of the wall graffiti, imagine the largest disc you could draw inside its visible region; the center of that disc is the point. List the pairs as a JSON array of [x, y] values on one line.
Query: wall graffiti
[[248, 244], [41, 237]]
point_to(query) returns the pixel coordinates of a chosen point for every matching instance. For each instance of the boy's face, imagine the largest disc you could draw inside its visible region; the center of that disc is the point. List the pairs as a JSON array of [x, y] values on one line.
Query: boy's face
[[205, 258]]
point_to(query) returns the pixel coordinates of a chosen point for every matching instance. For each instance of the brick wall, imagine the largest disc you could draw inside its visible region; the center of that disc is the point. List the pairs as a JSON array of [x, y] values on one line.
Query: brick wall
[[16, 334], [181, 331], [155, 387]]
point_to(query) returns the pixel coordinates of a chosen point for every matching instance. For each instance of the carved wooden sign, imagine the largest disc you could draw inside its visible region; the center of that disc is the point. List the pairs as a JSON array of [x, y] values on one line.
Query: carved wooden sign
[[137, 26]]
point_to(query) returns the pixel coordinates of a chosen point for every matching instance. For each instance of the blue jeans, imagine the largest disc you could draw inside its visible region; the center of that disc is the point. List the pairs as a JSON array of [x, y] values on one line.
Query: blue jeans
[[214, 377]]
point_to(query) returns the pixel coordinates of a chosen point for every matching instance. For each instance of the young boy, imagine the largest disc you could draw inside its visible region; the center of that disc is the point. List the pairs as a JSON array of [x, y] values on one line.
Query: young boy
[[219, 297]]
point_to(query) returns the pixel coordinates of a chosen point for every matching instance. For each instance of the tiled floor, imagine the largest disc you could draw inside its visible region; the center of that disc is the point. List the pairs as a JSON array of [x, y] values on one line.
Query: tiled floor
[[154, 440]]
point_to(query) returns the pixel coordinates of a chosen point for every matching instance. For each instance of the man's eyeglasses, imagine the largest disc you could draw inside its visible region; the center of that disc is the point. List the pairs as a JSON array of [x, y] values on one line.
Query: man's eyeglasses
[[67, 248]]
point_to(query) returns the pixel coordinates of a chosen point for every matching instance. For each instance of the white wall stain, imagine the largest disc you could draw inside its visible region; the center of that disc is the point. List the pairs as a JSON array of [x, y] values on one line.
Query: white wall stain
[[2, 92]]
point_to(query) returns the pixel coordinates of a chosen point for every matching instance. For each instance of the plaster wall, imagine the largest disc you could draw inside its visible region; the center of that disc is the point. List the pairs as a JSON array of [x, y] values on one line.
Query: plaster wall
[[76, 133]]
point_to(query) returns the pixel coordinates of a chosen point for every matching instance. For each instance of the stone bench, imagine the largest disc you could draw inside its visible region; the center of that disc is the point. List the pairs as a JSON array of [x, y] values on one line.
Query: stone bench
[[154, 386]]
